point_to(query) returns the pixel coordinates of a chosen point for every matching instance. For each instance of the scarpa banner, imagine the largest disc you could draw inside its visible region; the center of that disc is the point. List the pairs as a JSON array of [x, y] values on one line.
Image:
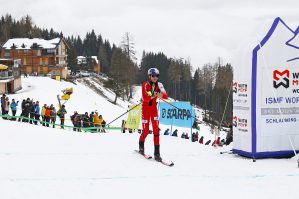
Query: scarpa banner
[[181, 116], [134, 116]]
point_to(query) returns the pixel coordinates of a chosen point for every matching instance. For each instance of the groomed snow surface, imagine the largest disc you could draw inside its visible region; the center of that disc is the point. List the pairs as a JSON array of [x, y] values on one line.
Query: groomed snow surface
[[44, 163]]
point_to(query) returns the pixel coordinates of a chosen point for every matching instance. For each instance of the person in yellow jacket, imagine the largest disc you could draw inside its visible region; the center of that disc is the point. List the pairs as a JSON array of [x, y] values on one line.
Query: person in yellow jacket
[[97, 120], [43, 112]]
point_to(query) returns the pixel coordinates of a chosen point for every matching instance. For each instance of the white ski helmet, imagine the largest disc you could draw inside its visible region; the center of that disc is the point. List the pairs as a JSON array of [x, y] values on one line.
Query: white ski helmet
[[153, 71]]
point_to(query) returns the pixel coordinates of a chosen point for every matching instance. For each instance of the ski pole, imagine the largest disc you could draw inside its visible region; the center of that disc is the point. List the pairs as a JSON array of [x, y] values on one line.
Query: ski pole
[[123, 114]]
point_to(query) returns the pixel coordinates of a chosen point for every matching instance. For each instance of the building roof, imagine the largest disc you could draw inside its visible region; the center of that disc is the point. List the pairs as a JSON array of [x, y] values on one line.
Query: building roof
[[95, 58], [25, 43], [81, 59]]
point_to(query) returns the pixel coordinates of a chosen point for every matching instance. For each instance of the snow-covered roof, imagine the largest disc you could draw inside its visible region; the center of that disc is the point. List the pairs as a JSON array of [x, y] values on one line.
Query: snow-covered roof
[[83, 59], [95, 58], [25, 43]]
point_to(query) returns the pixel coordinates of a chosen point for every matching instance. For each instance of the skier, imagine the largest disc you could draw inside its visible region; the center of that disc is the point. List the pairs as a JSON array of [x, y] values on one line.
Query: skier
[[151, 90]]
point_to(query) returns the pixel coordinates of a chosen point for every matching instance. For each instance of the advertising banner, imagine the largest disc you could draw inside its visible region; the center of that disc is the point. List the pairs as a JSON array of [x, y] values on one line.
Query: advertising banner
[[182, 117]]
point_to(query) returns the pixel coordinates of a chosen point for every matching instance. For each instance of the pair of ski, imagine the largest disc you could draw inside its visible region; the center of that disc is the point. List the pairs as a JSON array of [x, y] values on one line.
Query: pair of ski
[[149, 157]]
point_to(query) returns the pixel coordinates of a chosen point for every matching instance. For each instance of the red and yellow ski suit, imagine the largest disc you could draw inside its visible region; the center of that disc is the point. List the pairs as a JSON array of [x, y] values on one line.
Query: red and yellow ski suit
[[149, 109]]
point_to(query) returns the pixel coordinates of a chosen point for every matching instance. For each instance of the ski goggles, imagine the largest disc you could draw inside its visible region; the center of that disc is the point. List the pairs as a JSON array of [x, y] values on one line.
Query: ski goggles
[[155, 76]]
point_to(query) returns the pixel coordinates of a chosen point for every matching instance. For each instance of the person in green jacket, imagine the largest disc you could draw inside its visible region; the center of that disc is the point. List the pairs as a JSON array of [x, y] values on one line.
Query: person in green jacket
[[61, 114]]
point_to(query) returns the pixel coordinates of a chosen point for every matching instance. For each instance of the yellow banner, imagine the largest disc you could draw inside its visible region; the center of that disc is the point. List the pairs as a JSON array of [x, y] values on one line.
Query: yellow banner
[[134, 117]]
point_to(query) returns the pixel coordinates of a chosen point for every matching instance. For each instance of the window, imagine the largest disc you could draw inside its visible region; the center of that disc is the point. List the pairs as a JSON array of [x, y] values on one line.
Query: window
[[52, 51], [40, 61], [38, 52], [3, 74], [16, 73], [7, 53], [24, 61]]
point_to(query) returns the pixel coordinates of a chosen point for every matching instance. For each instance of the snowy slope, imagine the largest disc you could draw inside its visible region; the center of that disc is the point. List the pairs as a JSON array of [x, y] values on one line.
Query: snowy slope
[[45, 90], [84, 99], [38, 162]]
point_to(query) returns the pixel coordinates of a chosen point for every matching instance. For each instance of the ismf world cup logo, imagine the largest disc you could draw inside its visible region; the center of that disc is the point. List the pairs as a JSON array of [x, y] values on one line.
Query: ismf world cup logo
[[281, 78]]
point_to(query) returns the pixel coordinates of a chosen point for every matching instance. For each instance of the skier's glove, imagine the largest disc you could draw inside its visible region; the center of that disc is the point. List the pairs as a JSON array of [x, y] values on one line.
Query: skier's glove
[[149, 93]]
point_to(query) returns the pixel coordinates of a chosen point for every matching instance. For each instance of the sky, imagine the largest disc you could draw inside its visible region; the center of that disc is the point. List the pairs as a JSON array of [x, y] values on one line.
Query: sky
[[198, 30]]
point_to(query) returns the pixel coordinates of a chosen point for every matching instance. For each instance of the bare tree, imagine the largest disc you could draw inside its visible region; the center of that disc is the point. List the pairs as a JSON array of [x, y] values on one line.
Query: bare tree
[[127, 45]]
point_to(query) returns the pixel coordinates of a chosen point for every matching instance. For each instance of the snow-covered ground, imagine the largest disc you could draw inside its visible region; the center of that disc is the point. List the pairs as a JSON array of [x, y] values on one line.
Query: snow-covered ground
[[45, 163], [38, 162]]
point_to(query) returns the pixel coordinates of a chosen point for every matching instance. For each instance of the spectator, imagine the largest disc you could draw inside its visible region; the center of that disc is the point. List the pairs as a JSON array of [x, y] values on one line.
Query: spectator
[[166, 132], [208, 142], [43, 113], [123, 126], [53, 115], [86, 120], [103, 124], [216, 142], [23, 110], [32, 112], [187, 136], [2, 104], [193, 137], [183, 136], [36, 112], [61, 114], [6, 107], [47, 115], [26, 110], [91, 119], [97, 121], [13, 107], [196, 136], [222, 142], [175, 133], [78, 121], [74, 120], [201, 140]]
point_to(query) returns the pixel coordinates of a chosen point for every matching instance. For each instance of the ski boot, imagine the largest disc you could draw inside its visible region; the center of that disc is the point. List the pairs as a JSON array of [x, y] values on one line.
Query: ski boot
[[141, 148], [157, 153]]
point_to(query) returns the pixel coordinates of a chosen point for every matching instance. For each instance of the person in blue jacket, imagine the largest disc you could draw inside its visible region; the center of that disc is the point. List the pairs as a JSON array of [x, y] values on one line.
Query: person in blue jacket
[[13, 107], [36, 112]]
